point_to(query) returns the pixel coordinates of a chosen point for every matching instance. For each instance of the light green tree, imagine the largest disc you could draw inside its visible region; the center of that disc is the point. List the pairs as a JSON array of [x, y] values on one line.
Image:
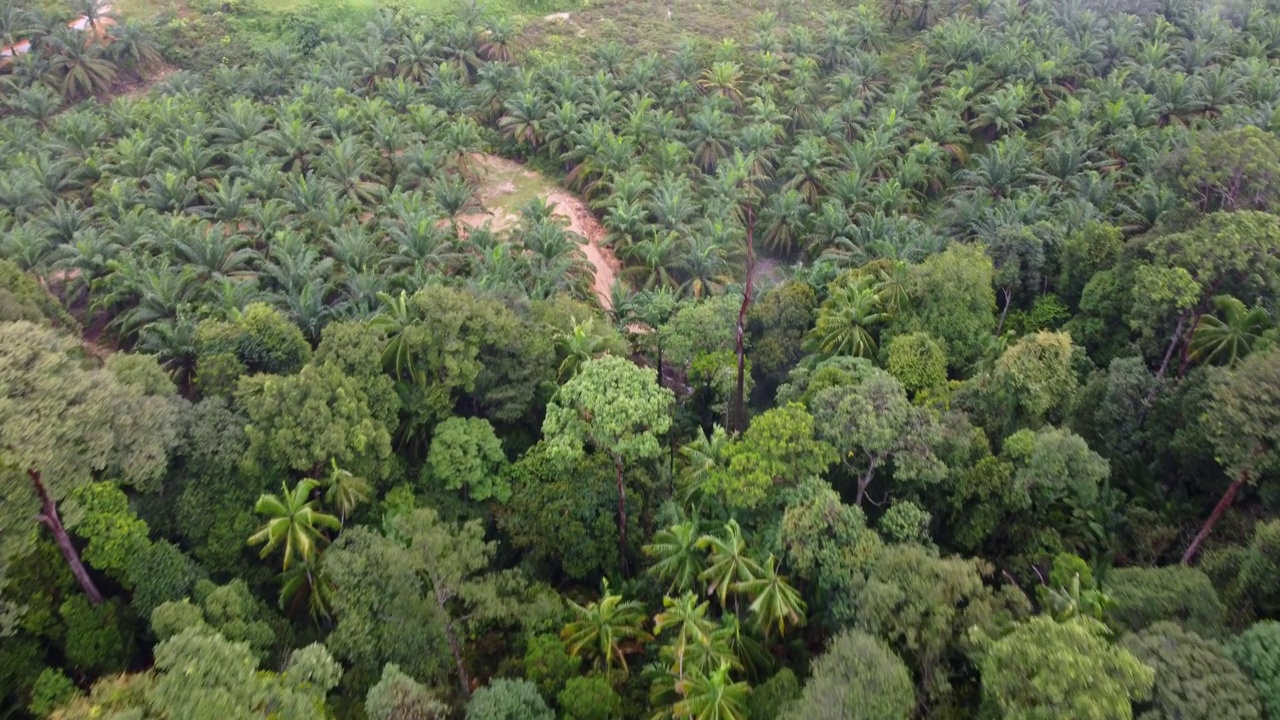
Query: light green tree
[[1045, 670], [467, 456], [858, 678], [616, 408]]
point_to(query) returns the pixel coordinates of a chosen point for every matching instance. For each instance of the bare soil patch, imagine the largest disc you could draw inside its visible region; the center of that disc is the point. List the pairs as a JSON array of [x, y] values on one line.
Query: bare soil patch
[[506, 186]]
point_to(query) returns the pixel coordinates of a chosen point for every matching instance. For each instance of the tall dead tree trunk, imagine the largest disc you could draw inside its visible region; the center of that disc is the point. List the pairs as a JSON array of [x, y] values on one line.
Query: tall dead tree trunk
[[739, 401], [1228, 497], [49, 518], [622, 515]]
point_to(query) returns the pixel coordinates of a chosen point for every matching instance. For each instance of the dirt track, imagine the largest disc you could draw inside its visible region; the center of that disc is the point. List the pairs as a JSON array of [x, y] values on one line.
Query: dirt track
[[506, 185]]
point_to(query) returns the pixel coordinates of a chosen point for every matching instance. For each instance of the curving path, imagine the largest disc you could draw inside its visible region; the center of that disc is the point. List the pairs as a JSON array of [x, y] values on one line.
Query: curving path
[[506, 185]]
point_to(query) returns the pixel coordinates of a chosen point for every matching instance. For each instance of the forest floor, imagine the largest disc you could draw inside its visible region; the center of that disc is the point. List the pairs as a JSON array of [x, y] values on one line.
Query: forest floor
[[506, 186]]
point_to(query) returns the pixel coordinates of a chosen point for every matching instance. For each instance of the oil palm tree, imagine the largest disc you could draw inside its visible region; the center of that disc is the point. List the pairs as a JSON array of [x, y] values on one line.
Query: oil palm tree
[[847, 319], [654, 261], [607, 630], [294, 523], [723, 80], [79, 64]]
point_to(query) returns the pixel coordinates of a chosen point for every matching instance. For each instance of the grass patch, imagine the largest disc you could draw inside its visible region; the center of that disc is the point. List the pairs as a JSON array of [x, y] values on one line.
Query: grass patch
[[648, 26]]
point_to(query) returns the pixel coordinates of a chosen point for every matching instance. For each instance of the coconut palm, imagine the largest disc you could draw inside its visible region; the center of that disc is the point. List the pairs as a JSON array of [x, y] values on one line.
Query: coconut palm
[[712, 697], [607, 630], [693, 640], [294, 523], [1230, 334], [344, 491], [677, 559], [774, 601], [728, 563]]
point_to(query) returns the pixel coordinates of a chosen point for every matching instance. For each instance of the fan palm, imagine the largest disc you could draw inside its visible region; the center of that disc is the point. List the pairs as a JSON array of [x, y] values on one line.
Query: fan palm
[[294, 522], [607, 630]]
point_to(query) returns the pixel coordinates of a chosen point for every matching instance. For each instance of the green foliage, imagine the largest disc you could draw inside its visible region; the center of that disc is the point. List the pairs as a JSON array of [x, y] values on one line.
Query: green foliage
[[1142, 597], [99, 638], [917, 361], [777, 323], [301, 422], [778, 449], [1257, 650], [612, 405], [1045, 670], [465, 455], [1037, 373], [873, 426], [399, 697], [260, 339], [73, 423], [905, 521], [100, 512], [203, 676], [160, 573], [858, 678], [52, 689], [771, 697], [589, 698], [1194, 677], [953, 300], [23, 299], [549, 665], [828, 544], [700, 327], [561, 511], [1231, 169], [505, 699], [1242, 419], [924, 604], [1093, 248]]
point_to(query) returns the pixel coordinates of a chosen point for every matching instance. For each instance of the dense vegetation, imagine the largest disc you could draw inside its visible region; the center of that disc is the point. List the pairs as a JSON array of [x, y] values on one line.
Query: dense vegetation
[[940, 381]]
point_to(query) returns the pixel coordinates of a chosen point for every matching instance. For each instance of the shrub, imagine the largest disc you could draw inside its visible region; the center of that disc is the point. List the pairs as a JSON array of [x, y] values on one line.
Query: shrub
[[1144, 596], [1195, 678]]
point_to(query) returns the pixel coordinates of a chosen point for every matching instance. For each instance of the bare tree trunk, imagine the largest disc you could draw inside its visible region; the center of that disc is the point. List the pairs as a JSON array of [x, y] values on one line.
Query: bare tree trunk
[[622, 515], [1228, 497], [739, 409], [49, 518], [1008, 300], [463, 679], [865, 479], [1173, 344]]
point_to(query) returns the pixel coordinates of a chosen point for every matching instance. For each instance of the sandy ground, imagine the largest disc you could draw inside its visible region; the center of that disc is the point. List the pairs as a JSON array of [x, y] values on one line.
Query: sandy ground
[[506, 185], [80, 23]]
